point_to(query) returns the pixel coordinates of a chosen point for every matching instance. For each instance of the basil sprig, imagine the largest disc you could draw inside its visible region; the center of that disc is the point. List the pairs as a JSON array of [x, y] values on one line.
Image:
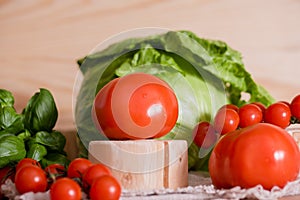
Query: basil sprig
[[30, 133]]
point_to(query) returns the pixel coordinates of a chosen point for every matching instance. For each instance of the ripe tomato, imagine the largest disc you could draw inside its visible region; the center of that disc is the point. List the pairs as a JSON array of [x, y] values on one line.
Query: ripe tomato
[[226, 120], [295, 107], [135, 106], [278, 114], [261, 106], [286, 103], [259, 154], [250, 114], [105, 188], [93, 172], [232, 106], [27, 161], [204, 135], [65, 188], [77, 167], [31, 178]]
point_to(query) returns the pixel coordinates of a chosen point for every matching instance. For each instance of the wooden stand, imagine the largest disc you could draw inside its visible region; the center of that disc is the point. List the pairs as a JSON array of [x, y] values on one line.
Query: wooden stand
[[144, 164]]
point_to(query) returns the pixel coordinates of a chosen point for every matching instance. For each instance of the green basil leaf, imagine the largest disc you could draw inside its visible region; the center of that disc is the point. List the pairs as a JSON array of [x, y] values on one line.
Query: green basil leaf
[[54, 140], [24, 135], [12, 149], [40, 112], [36, 151], [6, 98], [10, 121], [52, 158]]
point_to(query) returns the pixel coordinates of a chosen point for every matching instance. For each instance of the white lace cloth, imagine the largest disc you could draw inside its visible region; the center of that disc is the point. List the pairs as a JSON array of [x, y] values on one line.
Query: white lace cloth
[[200, 187]]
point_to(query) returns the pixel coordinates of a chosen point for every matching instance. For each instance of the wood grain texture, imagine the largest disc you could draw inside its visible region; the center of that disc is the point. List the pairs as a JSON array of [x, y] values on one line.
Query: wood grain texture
[[144, 165], [41, 40]]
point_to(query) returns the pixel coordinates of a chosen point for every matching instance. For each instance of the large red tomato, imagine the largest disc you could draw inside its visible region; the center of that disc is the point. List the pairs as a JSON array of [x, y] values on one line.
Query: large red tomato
[[135, 106], [259, 154]]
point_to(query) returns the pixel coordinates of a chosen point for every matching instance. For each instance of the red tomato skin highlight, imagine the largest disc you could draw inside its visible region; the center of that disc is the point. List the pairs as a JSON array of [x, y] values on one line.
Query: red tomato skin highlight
[[151, 101], [142, 95], [259, 154], [31, 178], [278, 114], [250, 114], [105, 188], [226, 120], [66, 189]]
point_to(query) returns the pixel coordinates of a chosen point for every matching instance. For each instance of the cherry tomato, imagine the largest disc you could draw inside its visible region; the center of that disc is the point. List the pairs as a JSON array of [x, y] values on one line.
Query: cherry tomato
[[226, 120], [105, 188], [278, 114], [261, 106], [232, 106], [135, 106], [65, 188], [250, 114], [295, 107], [77, 167], [31, 178], [27, 161], [205, 135], [94, 172], [286, 103], [262, 154]]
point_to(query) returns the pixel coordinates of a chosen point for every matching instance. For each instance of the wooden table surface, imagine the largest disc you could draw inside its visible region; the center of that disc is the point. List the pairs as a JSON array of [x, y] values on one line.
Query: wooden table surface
[[40, 40]]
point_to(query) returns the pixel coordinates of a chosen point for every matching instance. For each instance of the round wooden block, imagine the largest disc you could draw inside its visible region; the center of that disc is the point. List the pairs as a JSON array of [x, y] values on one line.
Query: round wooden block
[[144, 164]]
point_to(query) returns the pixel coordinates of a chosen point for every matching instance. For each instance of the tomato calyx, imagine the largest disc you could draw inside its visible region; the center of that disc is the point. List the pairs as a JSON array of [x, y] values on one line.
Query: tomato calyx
[[54, 172], [294, 120]]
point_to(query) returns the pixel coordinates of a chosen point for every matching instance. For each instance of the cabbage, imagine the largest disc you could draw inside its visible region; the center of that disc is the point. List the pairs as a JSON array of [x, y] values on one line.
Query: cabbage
[[204, 74]]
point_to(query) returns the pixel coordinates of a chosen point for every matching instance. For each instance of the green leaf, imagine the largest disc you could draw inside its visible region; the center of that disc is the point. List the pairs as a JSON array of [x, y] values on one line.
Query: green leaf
[[52, 158], [6, 98], [54, 140], [40, 112], [10, 121], [12, 149], [229, 67], [24, 135], [36, 151]]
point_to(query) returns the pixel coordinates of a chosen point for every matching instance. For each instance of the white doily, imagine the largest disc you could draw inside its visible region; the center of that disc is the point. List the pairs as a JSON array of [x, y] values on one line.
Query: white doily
[[200, 187]]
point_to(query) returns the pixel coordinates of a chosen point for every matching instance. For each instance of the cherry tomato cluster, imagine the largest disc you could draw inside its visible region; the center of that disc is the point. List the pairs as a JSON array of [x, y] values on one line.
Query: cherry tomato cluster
[[80, 177], [230, 117]]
